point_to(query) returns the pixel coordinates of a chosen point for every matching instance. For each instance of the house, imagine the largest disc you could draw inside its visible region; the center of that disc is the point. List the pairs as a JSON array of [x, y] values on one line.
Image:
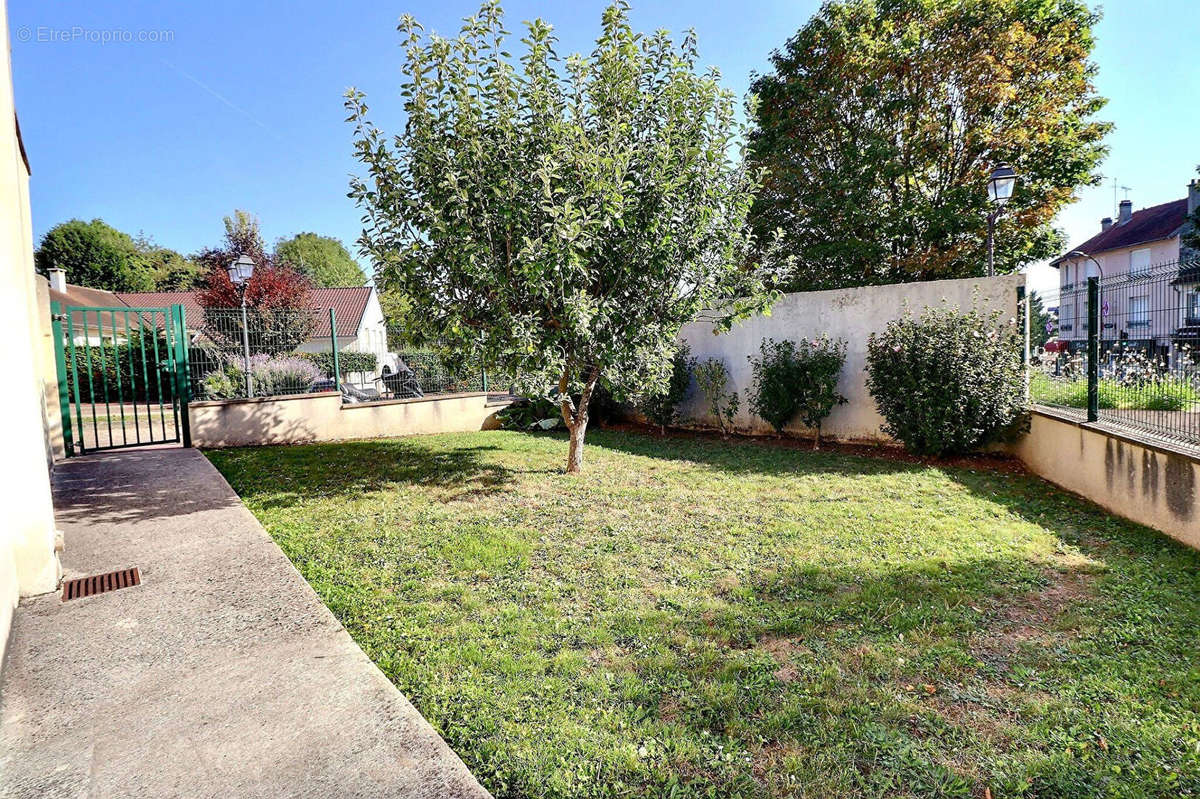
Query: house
[[1150, 291], [358, 314]]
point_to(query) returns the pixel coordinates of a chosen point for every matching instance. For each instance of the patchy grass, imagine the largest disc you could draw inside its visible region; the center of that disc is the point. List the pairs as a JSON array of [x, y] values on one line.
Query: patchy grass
[[697, 618]]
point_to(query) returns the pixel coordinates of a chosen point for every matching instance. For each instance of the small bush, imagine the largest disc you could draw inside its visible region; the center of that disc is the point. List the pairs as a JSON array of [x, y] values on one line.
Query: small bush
[[949, 382], [662, 409], [529, 414], [713, 378], [797, 381], [347, 361]]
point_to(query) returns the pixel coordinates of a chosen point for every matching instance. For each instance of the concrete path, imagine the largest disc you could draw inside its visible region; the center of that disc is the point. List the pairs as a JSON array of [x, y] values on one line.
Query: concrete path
[[221, 675]]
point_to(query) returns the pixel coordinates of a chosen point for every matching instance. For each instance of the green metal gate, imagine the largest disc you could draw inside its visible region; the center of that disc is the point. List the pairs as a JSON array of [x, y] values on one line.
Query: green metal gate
[[122, 376]]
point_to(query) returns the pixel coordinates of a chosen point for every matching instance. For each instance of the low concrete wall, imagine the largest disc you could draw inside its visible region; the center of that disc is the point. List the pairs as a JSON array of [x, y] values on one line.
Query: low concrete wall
[[303, 418], [1157, 486], [847, 314]]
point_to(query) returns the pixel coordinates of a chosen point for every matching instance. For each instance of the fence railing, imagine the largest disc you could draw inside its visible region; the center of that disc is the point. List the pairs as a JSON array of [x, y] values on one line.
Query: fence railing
[[1124, 349], [238, 353]]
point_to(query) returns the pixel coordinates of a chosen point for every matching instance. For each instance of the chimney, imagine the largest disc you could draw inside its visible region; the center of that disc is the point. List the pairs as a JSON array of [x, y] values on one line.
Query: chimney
[[1124, 211], [1105, 223], [58, 278], [1193, 196]]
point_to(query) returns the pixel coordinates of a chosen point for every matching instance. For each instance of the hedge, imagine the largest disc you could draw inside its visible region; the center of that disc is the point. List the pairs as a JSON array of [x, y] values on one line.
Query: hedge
[[347, 361]]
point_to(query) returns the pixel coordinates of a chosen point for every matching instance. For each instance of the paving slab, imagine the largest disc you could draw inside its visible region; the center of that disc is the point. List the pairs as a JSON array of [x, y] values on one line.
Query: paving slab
[[221, 675]]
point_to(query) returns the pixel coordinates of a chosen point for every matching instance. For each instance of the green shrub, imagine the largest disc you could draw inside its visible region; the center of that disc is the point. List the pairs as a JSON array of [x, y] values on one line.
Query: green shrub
[[1163, 393], [526, 414], [797, 381], [662, 409], [126, 369], [949, 382], [713, 378], [347, 361]]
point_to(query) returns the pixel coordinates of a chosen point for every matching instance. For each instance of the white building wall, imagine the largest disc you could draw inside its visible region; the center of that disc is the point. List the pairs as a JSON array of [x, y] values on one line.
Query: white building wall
[[28, 562]]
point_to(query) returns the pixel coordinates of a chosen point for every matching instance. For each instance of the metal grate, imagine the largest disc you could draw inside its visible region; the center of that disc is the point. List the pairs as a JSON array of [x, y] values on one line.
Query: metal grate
[[101, 583]]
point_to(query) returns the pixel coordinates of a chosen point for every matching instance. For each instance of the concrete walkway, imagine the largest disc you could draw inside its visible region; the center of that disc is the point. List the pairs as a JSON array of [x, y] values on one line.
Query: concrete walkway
[[221, 675]]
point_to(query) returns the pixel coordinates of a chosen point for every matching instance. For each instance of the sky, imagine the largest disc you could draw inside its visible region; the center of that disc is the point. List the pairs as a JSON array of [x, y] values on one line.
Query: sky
[[162, 118]]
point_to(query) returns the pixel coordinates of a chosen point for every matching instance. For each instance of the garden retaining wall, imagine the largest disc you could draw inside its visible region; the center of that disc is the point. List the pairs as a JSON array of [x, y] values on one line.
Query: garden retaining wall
[[847, 314], [1157, 485], [304, 418]]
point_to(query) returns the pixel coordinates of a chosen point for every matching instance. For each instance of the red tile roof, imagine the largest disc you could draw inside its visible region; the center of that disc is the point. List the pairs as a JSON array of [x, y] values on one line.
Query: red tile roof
[[1149, 224], [348, 303]]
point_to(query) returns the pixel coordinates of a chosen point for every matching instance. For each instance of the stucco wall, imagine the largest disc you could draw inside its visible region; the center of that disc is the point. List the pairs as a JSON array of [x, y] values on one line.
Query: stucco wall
[[848, 314], [1157, 487], [28, 563], [322, 417]]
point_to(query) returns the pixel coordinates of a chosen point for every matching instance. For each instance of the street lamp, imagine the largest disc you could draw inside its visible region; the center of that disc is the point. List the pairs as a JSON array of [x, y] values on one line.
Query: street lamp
[[240, 272], [1000, 188]]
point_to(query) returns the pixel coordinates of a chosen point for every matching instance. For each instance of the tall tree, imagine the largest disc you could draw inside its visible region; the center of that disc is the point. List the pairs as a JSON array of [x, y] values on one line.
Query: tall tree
[[94, 254], [559, 221], [882, 119], [167, 269], [323, 259], [277, 296]]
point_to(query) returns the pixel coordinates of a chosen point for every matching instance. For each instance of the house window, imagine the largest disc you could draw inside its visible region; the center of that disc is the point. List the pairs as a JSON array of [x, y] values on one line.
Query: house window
[[1139, 261], [1193, 308], [1139, 311]]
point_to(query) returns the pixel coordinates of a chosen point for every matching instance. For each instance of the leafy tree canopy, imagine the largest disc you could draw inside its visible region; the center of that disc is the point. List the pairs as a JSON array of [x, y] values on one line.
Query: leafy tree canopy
[[560, 219], [94, 254], [277, 296], [274, 285], [323, 259], [882, 119]]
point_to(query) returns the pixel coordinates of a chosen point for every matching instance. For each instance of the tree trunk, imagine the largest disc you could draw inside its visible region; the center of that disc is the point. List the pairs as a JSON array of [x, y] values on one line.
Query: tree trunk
[[817, 440], [576, 418], [575, 453]]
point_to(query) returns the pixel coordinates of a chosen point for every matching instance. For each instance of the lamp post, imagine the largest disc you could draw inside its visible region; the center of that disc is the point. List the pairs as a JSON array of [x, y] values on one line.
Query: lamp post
[[240, 272], [1000, 188]]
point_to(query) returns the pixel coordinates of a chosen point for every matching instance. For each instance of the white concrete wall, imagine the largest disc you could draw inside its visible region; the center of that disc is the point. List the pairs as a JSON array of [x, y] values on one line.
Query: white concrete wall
[[28, 563], [1155, 486], [304, 418], [848, 314]]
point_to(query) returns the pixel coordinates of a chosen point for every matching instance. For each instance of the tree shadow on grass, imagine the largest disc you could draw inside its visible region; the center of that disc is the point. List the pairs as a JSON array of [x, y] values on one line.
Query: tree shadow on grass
[[744, 456], [274, 477], [907, 673]]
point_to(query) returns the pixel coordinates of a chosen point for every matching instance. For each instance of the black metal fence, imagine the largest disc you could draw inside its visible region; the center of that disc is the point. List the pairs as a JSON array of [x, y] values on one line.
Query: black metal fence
[[1123, 349], [238, 353]]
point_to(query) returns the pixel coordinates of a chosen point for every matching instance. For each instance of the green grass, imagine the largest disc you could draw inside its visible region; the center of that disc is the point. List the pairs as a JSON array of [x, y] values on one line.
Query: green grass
[[1168, 394], [698, 618]]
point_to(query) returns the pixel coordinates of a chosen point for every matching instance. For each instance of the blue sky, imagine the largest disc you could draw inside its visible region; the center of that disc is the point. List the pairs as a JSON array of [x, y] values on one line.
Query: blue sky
[[238, 104]]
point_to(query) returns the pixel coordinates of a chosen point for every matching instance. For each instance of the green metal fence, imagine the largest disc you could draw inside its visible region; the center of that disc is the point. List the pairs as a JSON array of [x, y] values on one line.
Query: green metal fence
[[1124, 350], [252, 352], [122, 376]]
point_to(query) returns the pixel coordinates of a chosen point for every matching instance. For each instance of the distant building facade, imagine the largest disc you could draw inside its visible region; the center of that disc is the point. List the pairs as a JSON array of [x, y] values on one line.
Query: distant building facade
[[1151, 297]]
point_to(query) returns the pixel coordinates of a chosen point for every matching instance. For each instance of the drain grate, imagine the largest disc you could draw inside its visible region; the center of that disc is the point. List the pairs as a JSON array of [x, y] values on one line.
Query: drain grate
[[100, 583]]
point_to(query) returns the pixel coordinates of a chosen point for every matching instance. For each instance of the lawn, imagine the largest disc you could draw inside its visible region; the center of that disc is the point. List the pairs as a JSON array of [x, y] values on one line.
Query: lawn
[[692, 617]]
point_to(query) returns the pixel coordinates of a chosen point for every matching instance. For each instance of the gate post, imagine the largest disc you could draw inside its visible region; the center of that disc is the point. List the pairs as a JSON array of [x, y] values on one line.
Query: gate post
[[60, 371], [1093, 349], [183, 374]]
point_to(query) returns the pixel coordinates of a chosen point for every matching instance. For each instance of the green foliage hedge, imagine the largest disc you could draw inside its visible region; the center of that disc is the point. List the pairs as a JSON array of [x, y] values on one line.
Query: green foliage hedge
[[126, 370], [347, 361], [662, 409], [797, 381], [949, 382]]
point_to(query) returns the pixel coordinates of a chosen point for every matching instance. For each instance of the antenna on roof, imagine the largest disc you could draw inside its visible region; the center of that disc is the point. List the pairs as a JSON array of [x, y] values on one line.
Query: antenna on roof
[[1118, 187]]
